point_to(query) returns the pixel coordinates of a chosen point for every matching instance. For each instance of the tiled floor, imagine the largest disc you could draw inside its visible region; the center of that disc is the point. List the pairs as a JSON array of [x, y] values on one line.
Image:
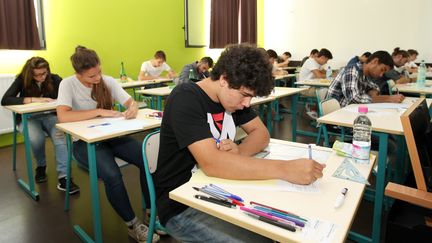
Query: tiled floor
[[24, 220]]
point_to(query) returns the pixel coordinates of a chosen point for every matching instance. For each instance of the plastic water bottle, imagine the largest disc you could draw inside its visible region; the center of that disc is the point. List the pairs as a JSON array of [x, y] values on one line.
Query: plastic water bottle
[[329, 72], [123, 75], [362, 130], [191, 75], [421, 75]]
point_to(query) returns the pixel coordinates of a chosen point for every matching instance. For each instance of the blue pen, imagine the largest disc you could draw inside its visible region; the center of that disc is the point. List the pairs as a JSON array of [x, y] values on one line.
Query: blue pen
[[225, 192], [310, 151], [279, 214], [217, 140], [102, 124]]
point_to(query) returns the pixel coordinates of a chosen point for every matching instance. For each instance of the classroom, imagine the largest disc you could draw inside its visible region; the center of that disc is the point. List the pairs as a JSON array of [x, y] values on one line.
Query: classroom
[[289, 122]]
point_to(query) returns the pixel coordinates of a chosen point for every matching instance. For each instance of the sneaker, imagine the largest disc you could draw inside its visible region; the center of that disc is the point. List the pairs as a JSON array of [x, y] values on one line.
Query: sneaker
[[139, 233], [159, 229], [41, 174], [62, 186]]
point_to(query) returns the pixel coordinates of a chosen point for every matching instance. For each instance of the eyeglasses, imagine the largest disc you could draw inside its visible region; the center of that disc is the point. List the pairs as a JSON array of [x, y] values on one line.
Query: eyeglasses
[[37, 75]]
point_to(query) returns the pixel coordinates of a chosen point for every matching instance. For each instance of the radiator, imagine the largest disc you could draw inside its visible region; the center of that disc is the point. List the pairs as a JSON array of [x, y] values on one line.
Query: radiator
[[6, 123]]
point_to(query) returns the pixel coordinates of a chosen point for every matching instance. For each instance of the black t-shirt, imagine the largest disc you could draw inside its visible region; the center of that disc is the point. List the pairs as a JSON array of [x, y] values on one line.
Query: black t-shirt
[[189, 116]]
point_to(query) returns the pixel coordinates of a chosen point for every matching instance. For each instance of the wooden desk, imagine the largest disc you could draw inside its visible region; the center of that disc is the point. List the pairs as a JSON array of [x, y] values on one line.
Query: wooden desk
[[279, 78], [384, 122], [315, 82], [411, 88], [310, 205], [92, 136], [157, 93], [26, 111], [141, 83]]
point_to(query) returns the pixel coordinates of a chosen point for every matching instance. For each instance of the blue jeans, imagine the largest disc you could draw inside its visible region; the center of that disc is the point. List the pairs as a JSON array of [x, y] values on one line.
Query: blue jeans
[[196, 226], [127, 149], [38, 126]]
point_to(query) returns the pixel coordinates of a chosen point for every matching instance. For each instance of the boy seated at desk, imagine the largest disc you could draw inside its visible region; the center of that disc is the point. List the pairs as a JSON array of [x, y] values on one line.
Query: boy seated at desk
[[355, 84], [153, 68], [197, 129], [272, 56]]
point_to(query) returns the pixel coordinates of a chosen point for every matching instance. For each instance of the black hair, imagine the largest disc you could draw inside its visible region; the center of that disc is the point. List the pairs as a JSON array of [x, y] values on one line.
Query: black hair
[[272, 53], [160, 54], [412, 52], [367, 54], [398, 51], [314, 51], [207, 60], [326, 53], [383, 58], [287, 53], [245, 66]]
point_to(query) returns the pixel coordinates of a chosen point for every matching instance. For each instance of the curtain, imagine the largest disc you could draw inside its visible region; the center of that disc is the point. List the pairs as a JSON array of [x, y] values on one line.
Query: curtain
[[224, 23], [18, 29], [248, 21]]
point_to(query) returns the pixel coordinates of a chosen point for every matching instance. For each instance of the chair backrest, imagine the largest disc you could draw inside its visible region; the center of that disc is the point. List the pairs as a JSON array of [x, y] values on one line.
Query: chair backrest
[[329, 106], [151, 150], [418, 135], [320, 95]]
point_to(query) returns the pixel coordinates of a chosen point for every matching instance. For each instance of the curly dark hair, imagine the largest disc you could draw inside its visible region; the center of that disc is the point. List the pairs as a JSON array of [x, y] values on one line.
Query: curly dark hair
[[245, 66]]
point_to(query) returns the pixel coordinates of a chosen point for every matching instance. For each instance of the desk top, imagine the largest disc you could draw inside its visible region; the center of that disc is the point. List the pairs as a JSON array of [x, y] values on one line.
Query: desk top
[[282, 76], [310, 205], [383, 120], [98, 129], [285, 91], [413, 89], [32, 107], [162, 91], [140, 83], [315, 82], [261, 100]]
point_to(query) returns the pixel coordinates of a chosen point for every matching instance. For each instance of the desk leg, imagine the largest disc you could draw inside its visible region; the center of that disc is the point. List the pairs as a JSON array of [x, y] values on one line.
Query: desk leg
[[269, 117], [30, 187], [294, 100], [14, 142], [159, 103], [97, 227], [68, 170], [401, 158]]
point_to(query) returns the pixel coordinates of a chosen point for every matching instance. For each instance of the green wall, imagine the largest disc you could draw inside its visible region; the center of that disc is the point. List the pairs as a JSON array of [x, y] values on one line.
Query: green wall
[[129, 30]]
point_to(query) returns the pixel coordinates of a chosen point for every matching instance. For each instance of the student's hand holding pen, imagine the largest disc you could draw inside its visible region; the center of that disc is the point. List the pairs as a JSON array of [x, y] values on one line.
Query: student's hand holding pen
[[109, 113], [229, 146], [132, 111], [302, 171]]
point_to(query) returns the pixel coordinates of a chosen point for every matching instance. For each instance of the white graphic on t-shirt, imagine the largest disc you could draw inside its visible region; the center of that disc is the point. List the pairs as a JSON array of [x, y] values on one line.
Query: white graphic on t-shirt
[[228, 127]]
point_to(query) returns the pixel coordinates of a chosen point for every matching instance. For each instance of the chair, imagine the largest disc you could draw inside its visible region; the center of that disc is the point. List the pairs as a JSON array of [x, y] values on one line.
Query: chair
[[325, 107], [150, 151], [418, 135], [411, 217]]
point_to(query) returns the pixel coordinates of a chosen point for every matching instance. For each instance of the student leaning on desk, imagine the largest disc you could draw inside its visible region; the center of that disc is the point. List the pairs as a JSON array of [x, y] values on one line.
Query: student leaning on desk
[[199, 115], [36, 84], [89, 94], [153, 68]]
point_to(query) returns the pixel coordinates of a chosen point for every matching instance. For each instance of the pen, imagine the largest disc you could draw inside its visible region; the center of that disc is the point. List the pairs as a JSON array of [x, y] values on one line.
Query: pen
[[278, 214], [340, 198], [276, 209], [217, 140], [225, 192], [310, 151], [219, 196], [259, 213], [215, 201], [98, 125], [273, 222]]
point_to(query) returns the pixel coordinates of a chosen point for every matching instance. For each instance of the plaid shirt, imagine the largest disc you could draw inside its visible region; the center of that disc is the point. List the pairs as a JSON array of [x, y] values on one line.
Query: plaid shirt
[[351, 86]]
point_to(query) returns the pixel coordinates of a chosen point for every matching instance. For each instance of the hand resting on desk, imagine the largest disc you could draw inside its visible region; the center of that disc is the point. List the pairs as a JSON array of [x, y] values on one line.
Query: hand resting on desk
[[229, 146]]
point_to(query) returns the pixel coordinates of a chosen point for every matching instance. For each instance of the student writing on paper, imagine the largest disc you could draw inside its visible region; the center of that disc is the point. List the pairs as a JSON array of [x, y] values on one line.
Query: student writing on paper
[[153, 68], [355, 85], [199, 70], [196, 115], [36, 83], [89, 94]]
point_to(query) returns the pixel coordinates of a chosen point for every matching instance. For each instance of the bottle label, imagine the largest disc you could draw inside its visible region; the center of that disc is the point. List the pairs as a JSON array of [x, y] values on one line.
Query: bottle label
[[360, 151]]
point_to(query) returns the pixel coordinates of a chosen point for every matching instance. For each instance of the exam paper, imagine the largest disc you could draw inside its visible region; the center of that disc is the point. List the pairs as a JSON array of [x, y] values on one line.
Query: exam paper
[[317, 230], [118, 124]]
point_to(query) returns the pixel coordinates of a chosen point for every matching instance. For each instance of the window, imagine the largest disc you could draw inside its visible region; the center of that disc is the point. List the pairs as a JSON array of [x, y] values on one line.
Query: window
[[40, 22]]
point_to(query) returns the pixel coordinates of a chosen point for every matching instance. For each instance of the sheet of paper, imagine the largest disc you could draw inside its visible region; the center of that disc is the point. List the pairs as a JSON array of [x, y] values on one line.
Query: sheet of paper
[[317, 230], [277, 151], [120, 124]]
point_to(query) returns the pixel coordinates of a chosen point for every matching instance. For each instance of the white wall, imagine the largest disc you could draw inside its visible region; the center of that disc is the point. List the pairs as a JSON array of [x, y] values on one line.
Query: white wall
[[348, 27]]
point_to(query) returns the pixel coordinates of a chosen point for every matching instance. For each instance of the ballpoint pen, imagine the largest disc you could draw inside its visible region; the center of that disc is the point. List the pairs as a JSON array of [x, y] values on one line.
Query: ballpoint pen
[[215, 201], [219, 196], [100, 125], [310, 150], [223, 191]]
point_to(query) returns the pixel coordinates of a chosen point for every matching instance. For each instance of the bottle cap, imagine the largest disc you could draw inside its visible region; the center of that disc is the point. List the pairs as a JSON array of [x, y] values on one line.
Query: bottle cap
[[363, 109]]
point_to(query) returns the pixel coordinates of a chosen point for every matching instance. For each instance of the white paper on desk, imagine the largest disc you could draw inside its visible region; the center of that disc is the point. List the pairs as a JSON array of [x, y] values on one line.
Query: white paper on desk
[[319, 231], [286, 152], [377, 112], [119, 124]]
